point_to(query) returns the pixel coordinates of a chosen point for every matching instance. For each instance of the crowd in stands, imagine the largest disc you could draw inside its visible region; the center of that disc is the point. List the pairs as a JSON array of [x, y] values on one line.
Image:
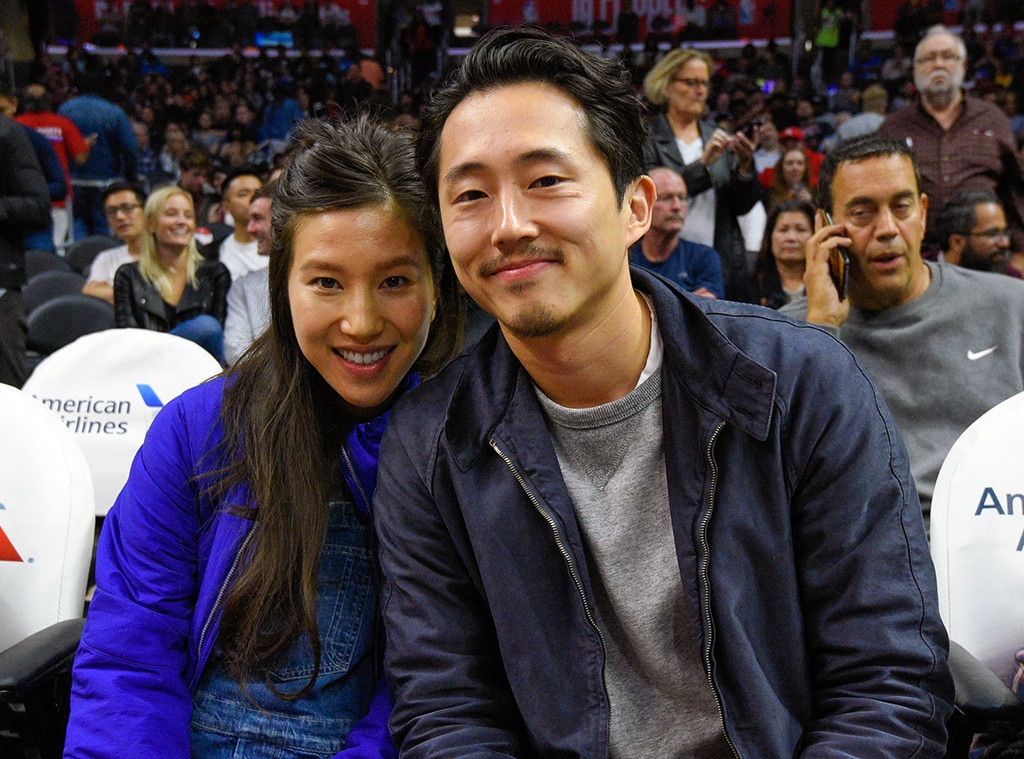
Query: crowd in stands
[[743, 134]]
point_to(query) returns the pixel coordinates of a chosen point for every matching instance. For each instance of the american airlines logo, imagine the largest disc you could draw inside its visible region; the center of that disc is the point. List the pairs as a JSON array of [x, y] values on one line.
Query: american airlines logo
[[7, 550], [99, 416]]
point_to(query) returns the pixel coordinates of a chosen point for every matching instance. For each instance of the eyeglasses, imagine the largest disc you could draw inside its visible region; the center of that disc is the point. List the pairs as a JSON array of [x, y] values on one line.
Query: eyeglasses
[[670, 196], [125, 208], [946, 56], [992, 234], [693, 84]]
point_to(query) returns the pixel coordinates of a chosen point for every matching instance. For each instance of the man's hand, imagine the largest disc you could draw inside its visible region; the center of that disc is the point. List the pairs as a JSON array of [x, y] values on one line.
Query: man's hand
[[823, 303], [704, 293]]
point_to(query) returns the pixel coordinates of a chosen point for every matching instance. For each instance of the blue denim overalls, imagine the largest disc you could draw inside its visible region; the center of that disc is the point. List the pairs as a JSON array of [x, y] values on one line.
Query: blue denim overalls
[[230, 723]]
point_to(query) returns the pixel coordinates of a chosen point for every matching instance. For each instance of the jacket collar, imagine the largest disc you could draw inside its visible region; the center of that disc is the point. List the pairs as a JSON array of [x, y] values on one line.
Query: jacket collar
[[717, 376], [661, 133]]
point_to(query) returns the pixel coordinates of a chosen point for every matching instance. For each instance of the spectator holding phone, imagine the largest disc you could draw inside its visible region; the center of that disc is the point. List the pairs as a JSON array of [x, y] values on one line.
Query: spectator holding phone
[[718, 168]]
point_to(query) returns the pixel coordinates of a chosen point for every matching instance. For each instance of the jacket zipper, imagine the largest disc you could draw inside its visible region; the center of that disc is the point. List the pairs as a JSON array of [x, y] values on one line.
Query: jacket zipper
[[216, 605], [378, 632], [355, 479], [558, 542], [706, 582]]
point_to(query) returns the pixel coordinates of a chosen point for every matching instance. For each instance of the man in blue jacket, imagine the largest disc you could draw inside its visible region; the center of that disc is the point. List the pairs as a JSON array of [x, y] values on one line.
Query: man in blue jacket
[[630, 522], [114, 154], [694, 267]]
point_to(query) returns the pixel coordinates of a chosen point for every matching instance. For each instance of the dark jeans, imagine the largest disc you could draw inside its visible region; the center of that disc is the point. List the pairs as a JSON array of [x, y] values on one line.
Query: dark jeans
[[90, 218], [206, 331]]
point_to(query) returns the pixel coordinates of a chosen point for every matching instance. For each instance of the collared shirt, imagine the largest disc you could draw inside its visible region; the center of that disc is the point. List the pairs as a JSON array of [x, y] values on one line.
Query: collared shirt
[[978, 152]]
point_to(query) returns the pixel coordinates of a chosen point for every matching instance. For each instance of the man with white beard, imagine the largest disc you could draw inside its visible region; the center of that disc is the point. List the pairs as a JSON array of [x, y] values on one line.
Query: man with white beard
[[961, 143]]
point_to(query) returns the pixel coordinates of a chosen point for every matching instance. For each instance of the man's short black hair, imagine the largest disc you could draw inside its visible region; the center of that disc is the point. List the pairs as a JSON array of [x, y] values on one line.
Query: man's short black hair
[[235, 173], [122, 185], [603, 88], [960, 213], [874, 145]]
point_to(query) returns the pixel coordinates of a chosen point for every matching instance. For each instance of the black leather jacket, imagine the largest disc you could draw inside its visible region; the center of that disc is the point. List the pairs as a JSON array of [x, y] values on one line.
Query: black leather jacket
[[137, 302]]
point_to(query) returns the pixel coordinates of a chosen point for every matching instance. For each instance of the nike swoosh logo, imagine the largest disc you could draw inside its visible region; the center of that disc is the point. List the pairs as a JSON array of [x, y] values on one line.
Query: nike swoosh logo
[[972, 356]]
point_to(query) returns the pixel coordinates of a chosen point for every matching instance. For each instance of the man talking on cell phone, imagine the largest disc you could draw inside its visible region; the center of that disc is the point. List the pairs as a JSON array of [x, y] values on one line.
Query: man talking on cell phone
[[942, 344]]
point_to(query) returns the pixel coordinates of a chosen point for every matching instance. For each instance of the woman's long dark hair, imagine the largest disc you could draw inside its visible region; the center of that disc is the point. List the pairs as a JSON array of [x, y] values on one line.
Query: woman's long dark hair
[[766, 273], [282, 422]]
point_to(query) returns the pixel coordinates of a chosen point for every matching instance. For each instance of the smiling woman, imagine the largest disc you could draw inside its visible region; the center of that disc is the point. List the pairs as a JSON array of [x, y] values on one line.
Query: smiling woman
[[171, 288], [234, 612], [362, 301]]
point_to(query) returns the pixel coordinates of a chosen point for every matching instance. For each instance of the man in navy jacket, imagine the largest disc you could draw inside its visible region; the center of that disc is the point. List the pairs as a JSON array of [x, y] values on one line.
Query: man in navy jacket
[[631, 522]]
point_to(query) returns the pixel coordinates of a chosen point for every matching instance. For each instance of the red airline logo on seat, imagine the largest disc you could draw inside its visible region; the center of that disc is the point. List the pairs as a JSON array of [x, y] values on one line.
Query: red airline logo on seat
[[7, 550]]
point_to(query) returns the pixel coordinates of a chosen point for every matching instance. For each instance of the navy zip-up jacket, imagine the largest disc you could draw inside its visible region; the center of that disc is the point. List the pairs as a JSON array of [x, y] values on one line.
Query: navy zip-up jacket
[[799, 537]]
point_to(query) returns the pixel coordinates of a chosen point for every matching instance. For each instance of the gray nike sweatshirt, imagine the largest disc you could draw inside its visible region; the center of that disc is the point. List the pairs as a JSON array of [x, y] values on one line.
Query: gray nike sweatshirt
[[941, 360]]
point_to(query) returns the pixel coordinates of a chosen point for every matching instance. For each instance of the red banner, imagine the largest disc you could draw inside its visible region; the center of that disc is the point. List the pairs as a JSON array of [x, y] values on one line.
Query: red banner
[[754, 19], [763, 19], [361, 12]]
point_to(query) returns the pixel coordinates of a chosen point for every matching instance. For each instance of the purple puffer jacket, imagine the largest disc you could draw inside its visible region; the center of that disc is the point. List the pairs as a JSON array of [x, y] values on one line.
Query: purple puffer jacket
[[163, 562]]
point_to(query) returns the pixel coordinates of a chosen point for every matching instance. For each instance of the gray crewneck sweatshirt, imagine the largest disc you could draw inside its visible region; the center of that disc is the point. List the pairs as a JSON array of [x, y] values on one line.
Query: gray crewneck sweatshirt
[[613, 463]]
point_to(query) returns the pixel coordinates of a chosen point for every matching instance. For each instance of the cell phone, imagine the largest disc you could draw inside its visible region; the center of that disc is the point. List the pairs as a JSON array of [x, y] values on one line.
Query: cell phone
[[752, 127], [838, 265]]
